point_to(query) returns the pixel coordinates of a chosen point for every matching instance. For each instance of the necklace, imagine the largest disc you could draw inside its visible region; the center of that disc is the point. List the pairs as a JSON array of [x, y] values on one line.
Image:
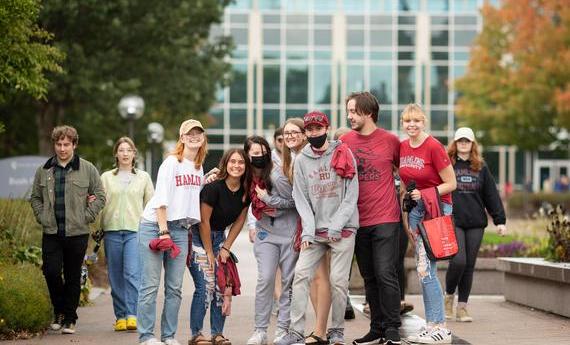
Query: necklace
[[233, 188]]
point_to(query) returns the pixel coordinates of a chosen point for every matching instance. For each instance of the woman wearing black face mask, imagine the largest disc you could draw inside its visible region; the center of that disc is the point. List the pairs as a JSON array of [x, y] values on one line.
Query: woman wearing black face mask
[[276, 218]]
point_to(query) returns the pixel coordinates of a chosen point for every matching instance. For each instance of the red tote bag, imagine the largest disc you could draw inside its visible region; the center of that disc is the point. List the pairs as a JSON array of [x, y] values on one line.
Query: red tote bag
[[438, 235]]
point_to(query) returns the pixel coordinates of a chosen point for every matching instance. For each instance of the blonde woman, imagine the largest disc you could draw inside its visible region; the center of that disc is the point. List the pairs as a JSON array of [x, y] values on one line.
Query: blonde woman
[[127, 190], [173, 209], [423, 160]]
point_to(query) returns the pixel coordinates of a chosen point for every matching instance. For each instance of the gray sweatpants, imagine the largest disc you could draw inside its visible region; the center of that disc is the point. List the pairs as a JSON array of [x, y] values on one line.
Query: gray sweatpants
[[341, 260], [272, 251]]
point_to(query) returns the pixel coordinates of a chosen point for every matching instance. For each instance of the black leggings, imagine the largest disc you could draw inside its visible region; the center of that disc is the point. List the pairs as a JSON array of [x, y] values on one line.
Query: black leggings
[[461, 267]]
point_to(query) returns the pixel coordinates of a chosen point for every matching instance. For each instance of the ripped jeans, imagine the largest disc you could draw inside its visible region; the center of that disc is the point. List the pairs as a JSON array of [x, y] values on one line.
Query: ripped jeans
[[427, 269], [206, 293]]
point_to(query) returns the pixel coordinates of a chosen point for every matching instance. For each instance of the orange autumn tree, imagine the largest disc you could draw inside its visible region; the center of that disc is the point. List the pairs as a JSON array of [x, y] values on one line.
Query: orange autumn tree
[[517, 87]]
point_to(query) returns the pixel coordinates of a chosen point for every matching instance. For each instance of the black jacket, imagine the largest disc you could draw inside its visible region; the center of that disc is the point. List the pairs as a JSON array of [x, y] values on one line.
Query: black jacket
[[476, 191]]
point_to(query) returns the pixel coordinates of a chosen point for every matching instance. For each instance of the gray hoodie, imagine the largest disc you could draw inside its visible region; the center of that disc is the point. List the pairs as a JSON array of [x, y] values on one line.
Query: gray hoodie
[[285, 221], [323, 199]]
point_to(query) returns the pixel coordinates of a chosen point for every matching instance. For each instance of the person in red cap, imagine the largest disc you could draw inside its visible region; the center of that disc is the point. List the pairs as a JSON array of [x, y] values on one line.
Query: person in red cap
[[163, 232], [325, 193]]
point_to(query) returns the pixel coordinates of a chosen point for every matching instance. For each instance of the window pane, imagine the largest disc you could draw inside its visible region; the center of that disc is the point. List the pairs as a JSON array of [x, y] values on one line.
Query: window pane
[[381, 38], [239, 18], [354, 5], [385, 118], [322, 81], [381, 83], [380, 20], [354, 78], [271, 37], [297, 37], [323, 54], [439, 20], [355, 37], [466, 20], [239, 35], [466, 5], [380, 56], [322, 19], [440, 55], [355, 54], [237, 139], [407, 38], [293, 112], [297, 84], [440, 38], [271, 83], [438, 120], [269, 4], [298, 19], [271, 54], [381, 5], [461, 56], [238, 87], [407, 20], [406, 55], [215, 139], [242, 4], [323, 37], [216, 119], [270, 118], [438, 5], [464, 38], [409, 5], [406, 84], [297, 54], [271, 18], [355, 19], [238, 118], [439, 84]]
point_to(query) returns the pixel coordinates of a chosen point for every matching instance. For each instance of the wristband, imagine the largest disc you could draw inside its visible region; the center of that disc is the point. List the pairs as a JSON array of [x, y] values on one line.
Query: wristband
[[226, 249], [163, 232]]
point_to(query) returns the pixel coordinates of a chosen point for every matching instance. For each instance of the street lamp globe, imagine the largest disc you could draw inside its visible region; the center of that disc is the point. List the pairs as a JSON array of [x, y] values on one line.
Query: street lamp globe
[[131, 107], [155, 133]]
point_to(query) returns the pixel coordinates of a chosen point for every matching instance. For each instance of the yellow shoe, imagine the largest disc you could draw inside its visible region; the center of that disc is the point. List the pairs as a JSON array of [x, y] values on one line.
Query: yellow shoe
[[463, 315], [121, 325], [132, 323], [449, 306]]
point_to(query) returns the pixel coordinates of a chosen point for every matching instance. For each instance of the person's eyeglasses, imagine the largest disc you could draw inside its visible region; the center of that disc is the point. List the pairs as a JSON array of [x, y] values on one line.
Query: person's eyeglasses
[[291, 134]]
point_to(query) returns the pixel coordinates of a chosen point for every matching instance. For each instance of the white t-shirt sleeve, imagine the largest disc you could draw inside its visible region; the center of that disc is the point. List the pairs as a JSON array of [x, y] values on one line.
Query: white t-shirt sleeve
[[164, 182]]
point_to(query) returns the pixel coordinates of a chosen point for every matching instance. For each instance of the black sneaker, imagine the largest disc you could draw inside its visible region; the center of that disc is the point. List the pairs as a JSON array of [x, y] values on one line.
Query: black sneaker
[[369, 339], [57, 322], [349, 313], [392, 336], [68, 328]]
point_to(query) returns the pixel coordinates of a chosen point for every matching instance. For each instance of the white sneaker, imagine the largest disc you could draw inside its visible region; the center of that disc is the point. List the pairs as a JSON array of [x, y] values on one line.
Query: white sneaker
[[152, 341], [414, 338], [279, 333], [258, 337], [436, 336], [171, 341]]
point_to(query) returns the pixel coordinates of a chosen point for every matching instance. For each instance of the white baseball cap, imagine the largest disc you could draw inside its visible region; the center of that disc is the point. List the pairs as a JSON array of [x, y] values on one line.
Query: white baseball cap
[[464, 132]]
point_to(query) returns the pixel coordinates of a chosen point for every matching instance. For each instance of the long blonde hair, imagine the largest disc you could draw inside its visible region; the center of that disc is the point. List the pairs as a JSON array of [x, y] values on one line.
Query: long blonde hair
[[200, 156], [287, 157]]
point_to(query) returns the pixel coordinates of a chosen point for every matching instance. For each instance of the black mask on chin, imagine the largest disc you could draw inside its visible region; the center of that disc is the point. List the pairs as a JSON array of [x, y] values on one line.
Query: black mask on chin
[[260, 161], [317, 142]]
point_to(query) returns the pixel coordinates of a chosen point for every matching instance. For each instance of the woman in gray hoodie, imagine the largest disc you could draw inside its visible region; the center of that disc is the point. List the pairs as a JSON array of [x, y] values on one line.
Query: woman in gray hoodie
[[274, 208], [325, 193]]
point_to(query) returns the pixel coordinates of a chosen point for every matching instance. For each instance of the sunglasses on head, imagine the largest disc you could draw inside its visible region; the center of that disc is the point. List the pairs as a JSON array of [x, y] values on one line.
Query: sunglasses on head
[[318, 118]]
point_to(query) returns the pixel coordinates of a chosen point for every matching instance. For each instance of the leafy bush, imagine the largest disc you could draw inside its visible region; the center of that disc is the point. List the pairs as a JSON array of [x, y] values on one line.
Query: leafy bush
[[522, 203], [559, 236], [494, 245], [25, 306]]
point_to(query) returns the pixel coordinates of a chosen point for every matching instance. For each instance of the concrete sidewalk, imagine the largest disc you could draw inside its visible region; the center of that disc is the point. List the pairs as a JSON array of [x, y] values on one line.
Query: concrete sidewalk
[[496, 321]]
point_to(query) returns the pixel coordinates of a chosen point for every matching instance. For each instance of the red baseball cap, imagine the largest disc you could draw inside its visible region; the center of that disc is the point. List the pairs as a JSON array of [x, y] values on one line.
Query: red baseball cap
[[316, 118]]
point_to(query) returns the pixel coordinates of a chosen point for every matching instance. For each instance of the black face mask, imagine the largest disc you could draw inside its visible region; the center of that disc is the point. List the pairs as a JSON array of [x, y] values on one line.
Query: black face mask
[[259, 161], [317, 142]]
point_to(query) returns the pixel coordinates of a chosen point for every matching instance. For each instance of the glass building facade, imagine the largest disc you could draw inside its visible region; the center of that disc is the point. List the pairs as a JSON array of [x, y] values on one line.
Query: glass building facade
[[292, 56]]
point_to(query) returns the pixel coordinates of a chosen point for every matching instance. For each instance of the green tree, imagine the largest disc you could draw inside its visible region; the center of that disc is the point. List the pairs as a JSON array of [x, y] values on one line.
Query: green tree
[[25, 52], [160, 50], [517, 86]]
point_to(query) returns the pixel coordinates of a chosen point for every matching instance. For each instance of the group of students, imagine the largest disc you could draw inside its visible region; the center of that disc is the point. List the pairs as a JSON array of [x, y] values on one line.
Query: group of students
[[311, 209]]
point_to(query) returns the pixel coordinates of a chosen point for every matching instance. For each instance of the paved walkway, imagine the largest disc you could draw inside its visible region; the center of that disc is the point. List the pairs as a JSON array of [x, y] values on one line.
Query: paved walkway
[[496, 321]]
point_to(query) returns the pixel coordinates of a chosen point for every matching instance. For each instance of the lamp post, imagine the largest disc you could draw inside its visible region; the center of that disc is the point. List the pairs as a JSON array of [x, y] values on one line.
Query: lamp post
[[155, 136], [131, 107]]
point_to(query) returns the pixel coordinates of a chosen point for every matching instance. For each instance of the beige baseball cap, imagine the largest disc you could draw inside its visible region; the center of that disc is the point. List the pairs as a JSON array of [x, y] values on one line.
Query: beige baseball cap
[[187, 125], [464, 132]]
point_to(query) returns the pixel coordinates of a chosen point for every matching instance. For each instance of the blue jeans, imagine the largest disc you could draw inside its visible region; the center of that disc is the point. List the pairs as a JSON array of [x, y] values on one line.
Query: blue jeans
[[151, 265], [427, 269], [121, 252], [207, 292]]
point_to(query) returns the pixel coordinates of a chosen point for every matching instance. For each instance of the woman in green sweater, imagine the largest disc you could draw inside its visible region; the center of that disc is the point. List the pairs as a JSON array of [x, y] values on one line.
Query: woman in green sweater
[[127, 190]]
